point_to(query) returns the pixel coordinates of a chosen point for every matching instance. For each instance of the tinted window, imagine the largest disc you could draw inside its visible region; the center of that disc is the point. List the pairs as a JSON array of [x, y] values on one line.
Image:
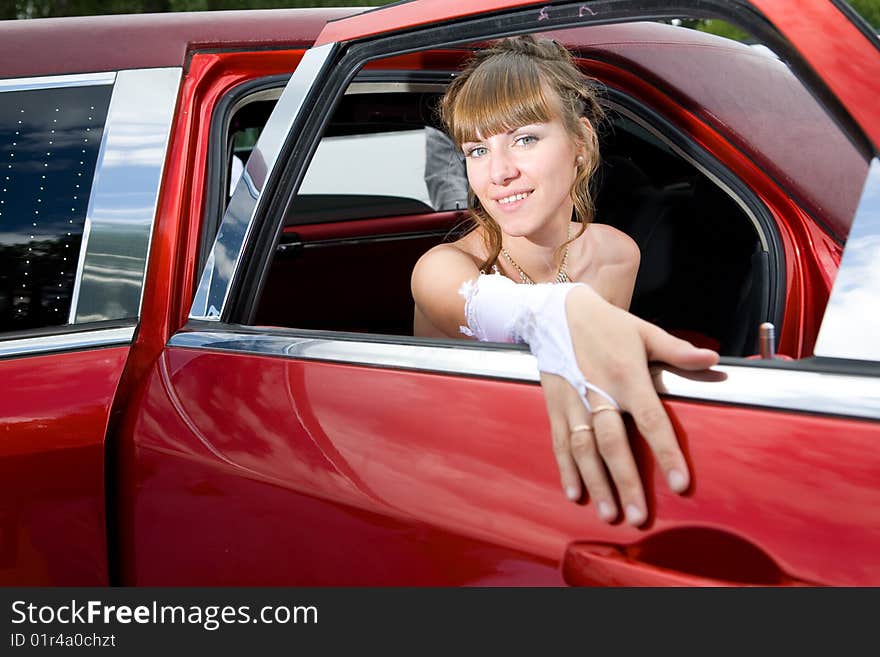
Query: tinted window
[[49, 141]]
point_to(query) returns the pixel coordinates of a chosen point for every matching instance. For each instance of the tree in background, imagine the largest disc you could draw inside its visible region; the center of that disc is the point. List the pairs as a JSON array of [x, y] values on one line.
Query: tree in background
[[49, 8], [869, 9]]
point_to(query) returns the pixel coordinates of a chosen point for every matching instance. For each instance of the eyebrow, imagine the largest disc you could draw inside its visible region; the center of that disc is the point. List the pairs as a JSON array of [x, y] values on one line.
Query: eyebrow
[[477, 140]]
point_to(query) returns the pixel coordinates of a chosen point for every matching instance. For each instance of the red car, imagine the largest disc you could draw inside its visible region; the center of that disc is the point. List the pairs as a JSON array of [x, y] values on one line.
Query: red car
[[209, 370]]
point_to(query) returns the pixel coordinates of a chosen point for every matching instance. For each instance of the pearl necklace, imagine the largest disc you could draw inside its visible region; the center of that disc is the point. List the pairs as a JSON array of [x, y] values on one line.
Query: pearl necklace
[[561, 273]]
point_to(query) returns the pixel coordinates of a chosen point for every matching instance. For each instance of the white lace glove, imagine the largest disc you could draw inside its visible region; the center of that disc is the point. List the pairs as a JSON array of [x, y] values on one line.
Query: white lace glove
[[499, 310]]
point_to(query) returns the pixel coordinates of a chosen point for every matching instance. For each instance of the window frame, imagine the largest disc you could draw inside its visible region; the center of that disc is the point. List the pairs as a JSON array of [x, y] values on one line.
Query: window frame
[[684, 147], [126, 112], [259, 234]]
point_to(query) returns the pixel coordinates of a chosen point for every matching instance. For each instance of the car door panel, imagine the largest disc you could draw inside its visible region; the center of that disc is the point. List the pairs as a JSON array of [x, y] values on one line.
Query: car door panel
[[53, 419], [773, 499], [268, 498]]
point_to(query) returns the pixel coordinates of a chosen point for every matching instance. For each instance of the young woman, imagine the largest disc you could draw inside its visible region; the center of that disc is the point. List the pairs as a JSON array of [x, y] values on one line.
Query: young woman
[[536, 269]]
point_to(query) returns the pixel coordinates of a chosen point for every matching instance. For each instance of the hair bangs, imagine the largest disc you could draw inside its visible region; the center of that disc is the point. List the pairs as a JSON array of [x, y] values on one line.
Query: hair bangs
[[501, 95]]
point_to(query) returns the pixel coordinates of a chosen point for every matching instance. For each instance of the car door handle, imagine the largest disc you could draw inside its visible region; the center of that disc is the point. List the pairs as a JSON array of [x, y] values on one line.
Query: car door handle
[[599, 564]]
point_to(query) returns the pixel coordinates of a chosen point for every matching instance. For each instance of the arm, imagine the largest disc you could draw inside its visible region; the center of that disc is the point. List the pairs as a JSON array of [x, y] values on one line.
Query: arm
[[436, 280], [611, 348]]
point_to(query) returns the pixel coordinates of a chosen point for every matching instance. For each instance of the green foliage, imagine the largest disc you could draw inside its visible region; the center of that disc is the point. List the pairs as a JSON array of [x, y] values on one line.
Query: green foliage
[[723, 29], [713, 26], [47, 8], [869, 9]]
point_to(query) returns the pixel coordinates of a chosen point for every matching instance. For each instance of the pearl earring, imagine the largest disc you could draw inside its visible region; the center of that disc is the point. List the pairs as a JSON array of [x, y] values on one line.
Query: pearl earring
[[580, 159]]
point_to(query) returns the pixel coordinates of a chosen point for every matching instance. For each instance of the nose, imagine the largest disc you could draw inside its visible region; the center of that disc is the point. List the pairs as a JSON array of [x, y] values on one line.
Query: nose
[[502, 168]]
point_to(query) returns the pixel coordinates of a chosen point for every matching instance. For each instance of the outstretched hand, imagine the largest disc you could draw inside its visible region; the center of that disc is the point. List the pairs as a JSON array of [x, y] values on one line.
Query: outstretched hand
[[613, 349]]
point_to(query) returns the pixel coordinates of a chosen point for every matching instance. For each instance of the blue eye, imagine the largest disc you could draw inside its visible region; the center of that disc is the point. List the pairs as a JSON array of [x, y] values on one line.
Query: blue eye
[[526, 140], [477, 151]]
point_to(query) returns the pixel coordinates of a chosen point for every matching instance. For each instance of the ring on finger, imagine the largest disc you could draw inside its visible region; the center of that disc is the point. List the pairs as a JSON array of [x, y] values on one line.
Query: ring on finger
[[580, 427], [603, 407]]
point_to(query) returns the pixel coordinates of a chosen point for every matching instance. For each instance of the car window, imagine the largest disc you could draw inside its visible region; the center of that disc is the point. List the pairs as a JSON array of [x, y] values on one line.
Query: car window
[[49, 142], [696, 151], [382, 154]]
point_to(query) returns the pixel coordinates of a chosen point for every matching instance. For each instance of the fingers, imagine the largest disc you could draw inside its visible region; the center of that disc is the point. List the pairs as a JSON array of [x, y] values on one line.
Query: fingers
[[654, 426], [586, 454], [594, 450], [568, 472], [557, 395], [613, 446], [574, 447], [661, 346]]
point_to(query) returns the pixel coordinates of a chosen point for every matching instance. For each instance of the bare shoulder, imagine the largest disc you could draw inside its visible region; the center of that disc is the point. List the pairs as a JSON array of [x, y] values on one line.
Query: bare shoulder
[[436, 280], [441, 269], [443, 257], [616, 247]]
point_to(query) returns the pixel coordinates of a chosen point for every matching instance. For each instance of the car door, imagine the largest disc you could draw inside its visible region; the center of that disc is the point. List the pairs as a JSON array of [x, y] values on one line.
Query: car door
[[82, 156], [263, 455]]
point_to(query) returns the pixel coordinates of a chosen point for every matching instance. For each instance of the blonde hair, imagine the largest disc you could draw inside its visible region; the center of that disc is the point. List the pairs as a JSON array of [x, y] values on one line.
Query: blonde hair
[[515, 82]]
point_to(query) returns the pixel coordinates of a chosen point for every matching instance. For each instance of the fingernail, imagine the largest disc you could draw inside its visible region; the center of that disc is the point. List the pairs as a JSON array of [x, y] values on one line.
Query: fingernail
[[634, 515], [572, 493], [606, 511], [677, 481]]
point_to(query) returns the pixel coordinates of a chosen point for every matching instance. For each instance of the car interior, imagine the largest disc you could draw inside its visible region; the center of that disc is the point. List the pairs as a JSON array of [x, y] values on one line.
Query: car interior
[[705, 273]]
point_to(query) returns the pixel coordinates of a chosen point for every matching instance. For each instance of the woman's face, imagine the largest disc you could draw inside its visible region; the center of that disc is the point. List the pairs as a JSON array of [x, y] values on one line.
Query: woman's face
[[523, 178]]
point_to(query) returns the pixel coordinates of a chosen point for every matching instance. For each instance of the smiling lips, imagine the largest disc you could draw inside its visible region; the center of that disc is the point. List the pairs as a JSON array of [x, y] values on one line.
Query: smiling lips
[[513, 198]]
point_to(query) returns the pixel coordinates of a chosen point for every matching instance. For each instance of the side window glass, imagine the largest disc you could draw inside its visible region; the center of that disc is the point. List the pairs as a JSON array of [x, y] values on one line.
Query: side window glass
[[722, 237], [405, 171], [382, 155], [49, 142]]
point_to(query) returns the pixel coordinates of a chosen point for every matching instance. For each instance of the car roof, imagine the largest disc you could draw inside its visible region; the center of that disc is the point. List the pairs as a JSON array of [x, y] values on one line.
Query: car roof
[[85, 44]]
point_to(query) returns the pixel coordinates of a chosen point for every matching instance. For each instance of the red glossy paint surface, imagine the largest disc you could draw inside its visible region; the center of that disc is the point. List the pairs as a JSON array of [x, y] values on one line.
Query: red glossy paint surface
[[410, 14], [276, 506], [598, 564], [314, 462], [53, 418], [109, 43], [845, 59]]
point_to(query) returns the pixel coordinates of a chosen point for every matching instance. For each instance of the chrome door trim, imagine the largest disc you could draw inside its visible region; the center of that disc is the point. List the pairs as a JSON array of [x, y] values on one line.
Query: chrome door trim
[[851, 326], [54, 81], [494, 363], [125, 195], [67, 342], [237, 225], [369, 87], [764, 387]]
